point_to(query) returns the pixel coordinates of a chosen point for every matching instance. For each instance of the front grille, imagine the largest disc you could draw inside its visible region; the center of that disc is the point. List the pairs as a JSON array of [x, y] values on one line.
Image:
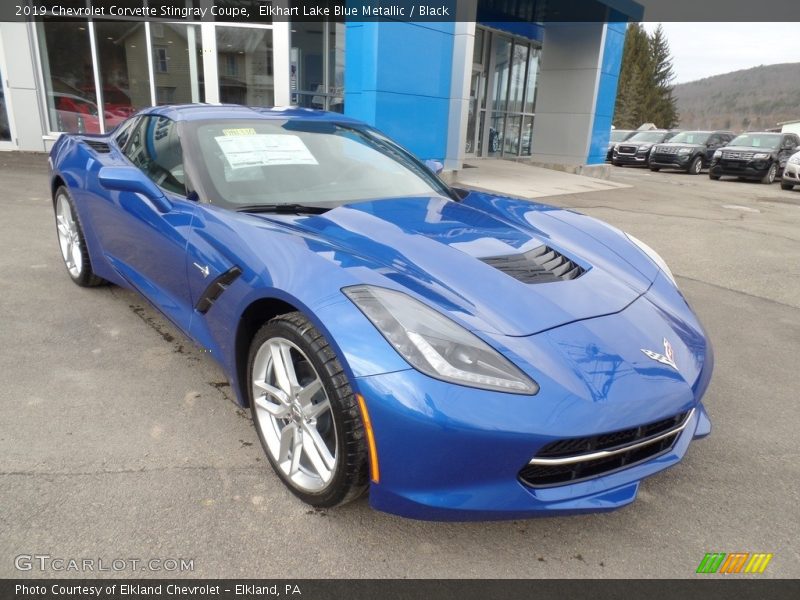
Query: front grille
[[671, 150], [627, 149], [576, 459], [733, 155], [540, 265]]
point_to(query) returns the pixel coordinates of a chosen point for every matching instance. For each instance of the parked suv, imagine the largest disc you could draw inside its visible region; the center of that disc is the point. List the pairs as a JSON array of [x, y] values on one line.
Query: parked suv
[[617, 136], [791, 173], [636, 149], [755, 155], [689, 151]]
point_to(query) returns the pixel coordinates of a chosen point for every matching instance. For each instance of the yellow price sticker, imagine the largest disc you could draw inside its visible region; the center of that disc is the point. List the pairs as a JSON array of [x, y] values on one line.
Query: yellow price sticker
[[242, 131]]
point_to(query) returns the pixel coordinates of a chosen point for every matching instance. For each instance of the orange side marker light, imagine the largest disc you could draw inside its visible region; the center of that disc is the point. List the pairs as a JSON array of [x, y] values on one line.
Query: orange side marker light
[[375, 473]]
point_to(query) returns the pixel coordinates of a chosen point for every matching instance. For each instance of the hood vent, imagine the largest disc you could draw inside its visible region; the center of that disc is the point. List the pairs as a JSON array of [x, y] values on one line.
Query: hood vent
[[97, 146], [540, 265]]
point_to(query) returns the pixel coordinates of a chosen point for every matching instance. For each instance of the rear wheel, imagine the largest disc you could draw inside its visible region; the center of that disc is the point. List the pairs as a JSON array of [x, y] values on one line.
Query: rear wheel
[[787, 186], [714, 177], [696, 167], [769, 178], [72, 242], [305, 413]]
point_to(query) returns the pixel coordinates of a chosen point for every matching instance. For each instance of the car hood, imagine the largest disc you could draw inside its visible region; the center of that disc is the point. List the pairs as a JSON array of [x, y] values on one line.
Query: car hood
[[436, 249], [749, 149], [681, 145]]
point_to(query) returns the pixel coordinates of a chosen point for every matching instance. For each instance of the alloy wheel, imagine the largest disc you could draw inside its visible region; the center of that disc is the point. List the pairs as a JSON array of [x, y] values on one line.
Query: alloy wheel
[[68, 237], [294, 414]]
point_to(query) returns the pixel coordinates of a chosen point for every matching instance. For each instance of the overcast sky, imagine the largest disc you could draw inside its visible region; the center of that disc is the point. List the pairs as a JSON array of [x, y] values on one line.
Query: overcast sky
[[703, 49]]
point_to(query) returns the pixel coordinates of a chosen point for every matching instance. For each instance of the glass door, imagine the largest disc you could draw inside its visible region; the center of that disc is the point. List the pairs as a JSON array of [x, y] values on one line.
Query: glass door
[[6, 133]]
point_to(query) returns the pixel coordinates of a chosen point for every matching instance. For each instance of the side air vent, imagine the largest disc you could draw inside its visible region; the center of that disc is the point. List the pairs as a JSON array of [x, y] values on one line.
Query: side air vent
[[540, 265], [98, 146]]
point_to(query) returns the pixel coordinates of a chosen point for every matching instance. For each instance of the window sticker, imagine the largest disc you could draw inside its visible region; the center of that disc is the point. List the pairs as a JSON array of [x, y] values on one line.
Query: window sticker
[[241, 131], [263, 150]]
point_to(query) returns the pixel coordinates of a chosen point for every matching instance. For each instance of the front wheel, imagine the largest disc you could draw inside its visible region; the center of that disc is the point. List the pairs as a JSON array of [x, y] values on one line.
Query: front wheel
[[656, 169], [769, 178], [305, 412], [787, 186], [72, 242], [714, 177], [696, 167]]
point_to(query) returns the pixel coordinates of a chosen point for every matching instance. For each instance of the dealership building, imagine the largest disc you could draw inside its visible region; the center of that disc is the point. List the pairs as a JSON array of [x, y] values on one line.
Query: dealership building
[[494, 83]]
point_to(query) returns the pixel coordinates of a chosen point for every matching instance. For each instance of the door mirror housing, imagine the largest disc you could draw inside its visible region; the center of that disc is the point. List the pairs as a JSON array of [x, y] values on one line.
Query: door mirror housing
[[130, 179], [435, 166]]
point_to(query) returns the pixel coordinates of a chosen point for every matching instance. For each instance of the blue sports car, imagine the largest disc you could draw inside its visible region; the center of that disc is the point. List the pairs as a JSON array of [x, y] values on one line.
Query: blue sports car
[[462, 355]]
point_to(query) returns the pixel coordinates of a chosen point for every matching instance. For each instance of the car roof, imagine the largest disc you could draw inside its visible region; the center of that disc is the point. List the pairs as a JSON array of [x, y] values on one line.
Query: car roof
[[204, 112]]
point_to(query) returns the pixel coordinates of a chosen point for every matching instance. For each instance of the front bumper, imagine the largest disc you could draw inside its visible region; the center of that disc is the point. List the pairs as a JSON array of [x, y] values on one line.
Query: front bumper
[[640, 158], [754, 169], [671, 161], [449, 452], [791, 174]]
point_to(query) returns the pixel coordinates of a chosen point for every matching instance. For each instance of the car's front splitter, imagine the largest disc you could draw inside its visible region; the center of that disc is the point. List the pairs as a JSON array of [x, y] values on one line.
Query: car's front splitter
[[435, 468]]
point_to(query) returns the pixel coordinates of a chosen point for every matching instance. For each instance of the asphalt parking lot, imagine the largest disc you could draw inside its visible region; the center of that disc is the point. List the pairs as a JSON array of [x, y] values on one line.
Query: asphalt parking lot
[[120, 439]]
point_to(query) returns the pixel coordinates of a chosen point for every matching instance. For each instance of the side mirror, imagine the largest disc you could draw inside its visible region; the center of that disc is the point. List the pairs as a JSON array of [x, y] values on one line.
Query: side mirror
[[435, 166], [130, 179]]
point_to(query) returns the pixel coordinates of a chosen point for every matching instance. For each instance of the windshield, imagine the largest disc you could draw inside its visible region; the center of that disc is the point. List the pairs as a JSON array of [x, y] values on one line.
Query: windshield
[[758, 140], [691, 137], [648, 136], [294, 161], [619, 135]]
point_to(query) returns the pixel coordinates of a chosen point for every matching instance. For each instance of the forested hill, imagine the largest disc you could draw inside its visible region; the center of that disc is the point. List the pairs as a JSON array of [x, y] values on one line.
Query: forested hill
[[756, 98]]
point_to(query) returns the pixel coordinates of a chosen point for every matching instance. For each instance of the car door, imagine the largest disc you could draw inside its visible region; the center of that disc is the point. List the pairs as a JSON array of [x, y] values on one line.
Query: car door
[[715, 142], [789, 144], [147, 242]]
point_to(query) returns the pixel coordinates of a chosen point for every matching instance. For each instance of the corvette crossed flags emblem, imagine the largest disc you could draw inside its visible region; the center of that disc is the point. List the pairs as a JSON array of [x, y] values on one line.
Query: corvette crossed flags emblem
[[668, 358]]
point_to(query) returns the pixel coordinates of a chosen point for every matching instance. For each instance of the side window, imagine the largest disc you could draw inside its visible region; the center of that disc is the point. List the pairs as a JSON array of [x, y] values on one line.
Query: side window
[[124, 132], [715, 140], [155, 148]]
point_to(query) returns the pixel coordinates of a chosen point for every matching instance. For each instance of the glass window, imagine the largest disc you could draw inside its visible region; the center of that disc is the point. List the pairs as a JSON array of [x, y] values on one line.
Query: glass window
[[511, 138], [124, 132], [527, 136], [124, 73], [519, 63], [66, 58], [177, 62], [154, 147], [244, 60], [317, 57], [502, 60], [270, 161], [5, 128], [530, 85]]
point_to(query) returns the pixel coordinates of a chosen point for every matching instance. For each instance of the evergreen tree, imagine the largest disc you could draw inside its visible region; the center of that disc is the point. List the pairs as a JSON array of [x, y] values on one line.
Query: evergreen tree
[[644, 91]]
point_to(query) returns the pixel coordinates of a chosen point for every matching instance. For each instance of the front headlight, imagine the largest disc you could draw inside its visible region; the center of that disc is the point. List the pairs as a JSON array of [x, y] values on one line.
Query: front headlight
[[717, 153], [760, 155], [654, 256], [435, 345], [645, 147], [795, 159], [684, 151]]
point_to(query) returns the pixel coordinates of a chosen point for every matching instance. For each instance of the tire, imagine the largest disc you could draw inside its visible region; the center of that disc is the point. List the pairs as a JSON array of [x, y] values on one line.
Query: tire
[[696, 167], [320, 476], [769, 178], [616, 164], [71, 241], [656, 169], [714, 177], [787, 186]]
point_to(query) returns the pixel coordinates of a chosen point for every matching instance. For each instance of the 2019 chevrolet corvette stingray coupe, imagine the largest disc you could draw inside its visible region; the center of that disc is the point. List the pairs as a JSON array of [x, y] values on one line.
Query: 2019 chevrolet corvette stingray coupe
[[462, 355]]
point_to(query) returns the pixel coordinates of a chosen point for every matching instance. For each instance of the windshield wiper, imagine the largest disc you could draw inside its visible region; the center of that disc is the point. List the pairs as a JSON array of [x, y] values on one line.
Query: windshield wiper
[[294, 209]]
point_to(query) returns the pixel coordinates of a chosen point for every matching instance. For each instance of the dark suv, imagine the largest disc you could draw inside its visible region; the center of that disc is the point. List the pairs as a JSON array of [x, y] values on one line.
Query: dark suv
[[617, 136], [689, 151], [636, 149], [754, 155]]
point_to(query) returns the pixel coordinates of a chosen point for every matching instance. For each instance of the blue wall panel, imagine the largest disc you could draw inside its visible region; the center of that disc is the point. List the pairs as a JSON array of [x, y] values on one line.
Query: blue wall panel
[[398, 79], [607, 89]]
